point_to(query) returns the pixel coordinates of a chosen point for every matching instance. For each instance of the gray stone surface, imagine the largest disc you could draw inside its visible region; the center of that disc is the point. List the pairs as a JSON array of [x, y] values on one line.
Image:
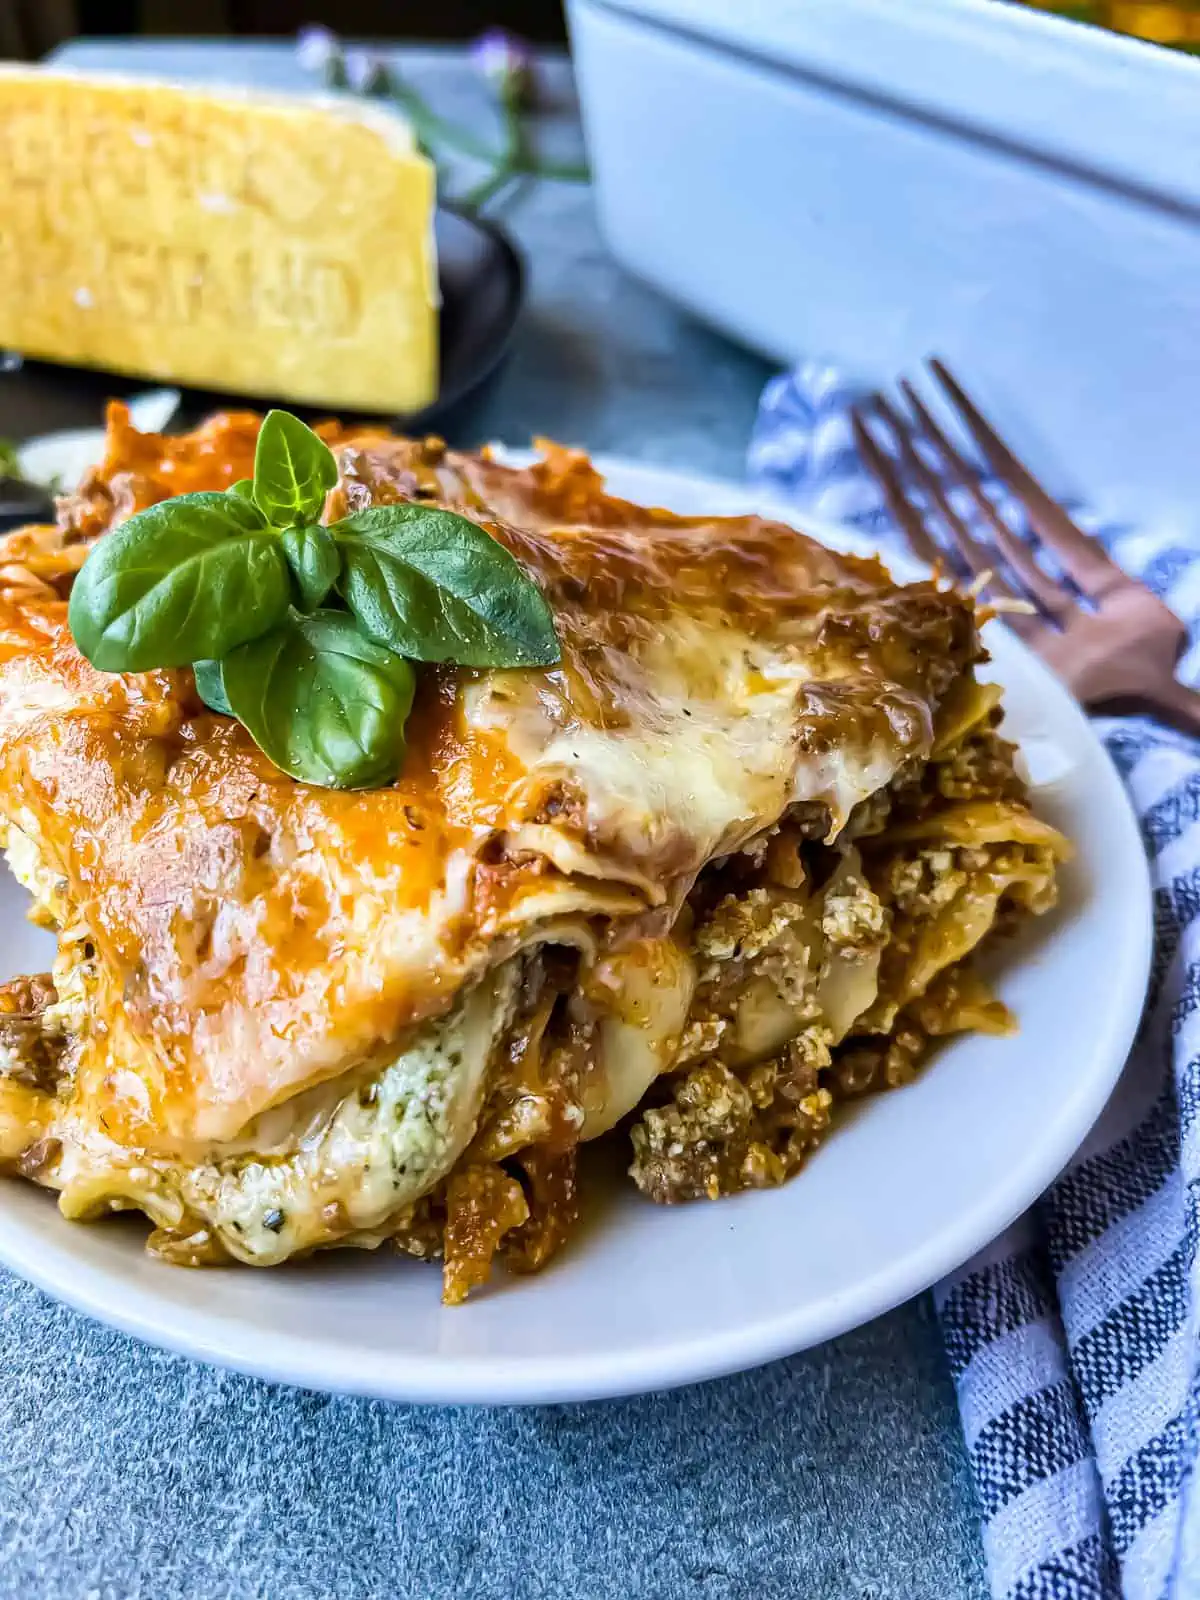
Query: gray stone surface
[[127, 1474]]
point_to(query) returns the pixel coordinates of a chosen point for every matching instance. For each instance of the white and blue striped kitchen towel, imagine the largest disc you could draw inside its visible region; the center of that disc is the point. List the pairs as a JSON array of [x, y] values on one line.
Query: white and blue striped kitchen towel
[[1072, 1340]]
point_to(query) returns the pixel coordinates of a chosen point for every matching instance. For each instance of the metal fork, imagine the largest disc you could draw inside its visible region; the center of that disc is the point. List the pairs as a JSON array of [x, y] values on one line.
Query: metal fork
[[1113, 643]]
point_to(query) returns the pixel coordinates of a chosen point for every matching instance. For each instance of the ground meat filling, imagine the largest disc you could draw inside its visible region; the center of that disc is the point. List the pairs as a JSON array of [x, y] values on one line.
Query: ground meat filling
[[514, 1194], [721, 1131], [719, 1123], [30, 1051], [731, 1117]]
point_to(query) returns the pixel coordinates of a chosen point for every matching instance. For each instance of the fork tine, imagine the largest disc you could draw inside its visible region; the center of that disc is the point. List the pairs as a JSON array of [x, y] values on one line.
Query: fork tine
[[1084, 559], [973, 556], [904, 514], [1049, 595], [909, 518]]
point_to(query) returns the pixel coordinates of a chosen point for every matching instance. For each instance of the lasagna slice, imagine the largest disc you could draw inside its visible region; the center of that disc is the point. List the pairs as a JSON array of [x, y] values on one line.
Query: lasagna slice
[[720, 869]]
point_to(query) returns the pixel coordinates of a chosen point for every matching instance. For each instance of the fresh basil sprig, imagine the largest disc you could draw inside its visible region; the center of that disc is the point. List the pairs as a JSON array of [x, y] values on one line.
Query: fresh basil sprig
[[243, 489], [315, 563], [326, 705], [431, 585], [185, 579], [304, 632], [211, 688], [293, 470]]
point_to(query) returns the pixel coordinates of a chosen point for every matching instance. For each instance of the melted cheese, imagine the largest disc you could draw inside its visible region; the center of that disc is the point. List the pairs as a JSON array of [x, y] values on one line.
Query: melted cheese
[[643, 992]]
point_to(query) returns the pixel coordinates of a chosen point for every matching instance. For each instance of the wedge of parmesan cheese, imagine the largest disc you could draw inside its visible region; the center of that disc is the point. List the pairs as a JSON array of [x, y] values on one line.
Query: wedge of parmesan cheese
[[254, 244]]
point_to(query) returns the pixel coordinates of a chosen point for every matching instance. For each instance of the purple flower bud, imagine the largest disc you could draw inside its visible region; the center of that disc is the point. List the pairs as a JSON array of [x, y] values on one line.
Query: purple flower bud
[[506, 62], [317, 48], [364, 71]]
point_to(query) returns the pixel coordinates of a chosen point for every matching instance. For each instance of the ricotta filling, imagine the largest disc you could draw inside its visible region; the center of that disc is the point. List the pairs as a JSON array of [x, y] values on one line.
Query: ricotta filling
[[387, 1143]]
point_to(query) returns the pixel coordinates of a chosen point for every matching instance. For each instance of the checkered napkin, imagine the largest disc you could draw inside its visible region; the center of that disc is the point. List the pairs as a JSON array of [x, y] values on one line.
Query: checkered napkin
[[1072, 1339]]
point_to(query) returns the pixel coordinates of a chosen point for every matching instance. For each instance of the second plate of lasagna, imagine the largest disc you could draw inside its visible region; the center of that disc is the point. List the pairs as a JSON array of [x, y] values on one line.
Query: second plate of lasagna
[[683, 934]]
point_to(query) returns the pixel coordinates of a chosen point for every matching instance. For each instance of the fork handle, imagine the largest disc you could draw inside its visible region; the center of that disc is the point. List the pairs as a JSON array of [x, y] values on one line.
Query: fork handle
[[1171, 701]]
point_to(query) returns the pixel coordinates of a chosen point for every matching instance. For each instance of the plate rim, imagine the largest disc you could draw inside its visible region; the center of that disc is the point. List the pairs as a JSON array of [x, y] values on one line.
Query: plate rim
[[226, 1340]]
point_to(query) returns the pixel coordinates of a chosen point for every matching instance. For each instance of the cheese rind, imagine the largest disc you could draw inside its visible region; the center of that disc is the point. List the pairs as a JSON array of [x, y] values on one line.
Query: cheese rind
[[247, 243]]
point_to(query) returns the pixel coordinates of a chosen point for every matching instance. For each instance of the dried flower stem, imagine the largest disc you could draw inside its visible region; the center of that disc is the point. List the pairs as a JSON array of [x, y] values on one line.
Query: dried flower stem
[[507, 65]]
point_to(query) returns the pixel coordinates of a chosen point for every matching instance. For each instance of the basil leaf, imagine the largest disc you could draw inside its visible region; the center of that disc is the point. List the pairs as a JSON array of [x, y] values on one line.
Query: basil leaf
[[210, 688], [293, 470], [243, 491], [180, 582], [325, 704], [434, 586], [314, 560]]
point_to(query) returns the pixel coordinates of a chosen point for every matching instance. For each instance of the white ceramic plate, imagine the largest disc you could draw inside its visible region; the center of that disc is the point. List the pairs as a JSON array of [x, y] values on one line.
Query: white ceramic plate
[[646, 1297]]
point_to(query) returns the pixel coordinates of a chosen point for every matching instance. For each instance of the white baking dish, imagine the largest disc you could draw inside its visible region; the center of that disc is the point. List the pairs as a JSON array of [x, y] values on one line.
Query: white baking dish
[[876, 180]]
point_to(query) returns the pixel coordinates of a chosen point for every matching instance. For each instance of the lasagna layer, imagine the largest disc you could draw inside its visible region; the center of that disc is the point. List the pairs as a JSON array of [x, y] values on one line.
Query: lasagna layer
[[718, 869]]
